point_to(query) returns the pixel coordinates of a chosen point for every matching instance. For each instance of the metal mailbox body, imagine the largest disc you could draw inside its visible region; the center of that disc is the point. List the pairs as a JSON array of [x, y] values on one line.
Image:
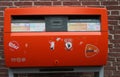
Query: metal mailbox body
[[32, 49]]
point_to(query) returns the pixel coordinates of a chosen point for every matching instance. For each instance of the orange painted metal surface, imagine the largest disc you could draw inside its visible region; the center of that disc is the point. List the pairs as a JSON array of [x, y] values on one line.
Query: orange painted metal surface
[[32, 49]]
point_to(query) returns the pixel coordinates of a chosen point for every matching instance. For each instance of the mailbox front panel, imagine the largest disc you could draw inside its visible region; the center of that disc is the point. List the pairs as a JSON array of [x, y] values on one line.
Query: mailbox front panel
[[56, 38]]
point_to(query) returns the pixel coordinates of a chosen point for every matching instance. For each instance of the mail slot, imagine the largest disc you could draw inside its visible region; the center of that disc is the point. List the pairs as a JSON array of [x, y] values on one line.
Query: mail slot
[[55, 36]]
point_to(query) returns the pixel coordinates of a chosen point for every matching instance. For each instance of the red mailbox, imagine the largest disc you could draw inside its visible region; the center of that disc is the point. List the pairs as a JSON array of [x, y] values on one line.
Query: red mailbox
[[55, 36]]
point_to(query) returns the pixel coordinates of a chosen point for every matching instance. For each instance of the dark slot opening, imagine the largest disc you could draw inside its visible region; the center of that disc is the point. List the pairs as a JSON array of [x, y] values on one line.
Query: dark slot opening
[[57, 69], [84, 17], [56, 23], [27, 17]]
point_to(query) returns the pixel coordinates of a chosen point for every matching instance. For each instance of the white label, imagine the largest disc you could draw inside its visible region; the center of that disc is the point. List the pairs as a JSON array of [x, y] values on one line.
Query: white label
[[79, 26], [37, 26], [93, 27], [27, 27]]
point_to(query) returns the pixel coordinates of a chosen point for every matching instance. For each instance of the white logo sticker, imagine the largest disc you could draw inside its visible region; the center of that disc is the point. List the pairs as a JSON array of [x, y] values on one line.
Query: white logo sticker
[[14, 45]]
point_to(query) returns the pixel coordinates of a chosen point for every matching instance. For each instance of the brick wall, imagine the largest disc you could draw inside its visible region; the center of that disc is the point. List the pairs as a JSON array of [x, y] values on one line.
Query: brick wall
[[112, 69]]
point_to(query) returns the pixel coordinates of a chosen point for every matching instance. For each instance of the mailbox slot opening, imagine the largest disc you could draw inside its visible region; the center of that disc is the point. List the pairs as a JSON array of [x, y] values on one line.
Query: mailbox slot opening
[[55, 23]]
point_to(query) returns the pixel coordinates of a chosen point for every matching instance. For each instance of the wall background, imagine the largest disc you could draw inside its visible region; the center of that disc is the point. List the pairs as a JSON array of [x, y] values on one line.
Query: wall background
[[112, 69]]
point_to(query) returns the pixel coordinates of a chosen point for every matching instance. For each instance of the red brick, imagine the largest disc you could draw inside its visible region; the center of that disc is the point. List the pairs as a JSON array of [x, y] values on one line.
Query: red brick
[[4, 70], [117, 36], [117, 32], [2, 56], [44, 0], [1, 47], [113, 17], [115, 76], [114, 31], [108, 73], [117, 45], [108, 12], [1, 29], [111, 0], [1, 38], [117, 27], [2, 8], [110, 27], [2, 62], [111, 22], [1, 53], [113, 7], [6, 4], [57, 3], [108, 64], [109, 3], [118, 59], [114, 12], [110, 36], [114, 50], [27, 0], [71, 3], [111, 59], [1, 18], [55, 0], [1, 23], [8, 0], [14, 6], [110, 45], [88, 0], [111, 40], [3, 75], [1, 33], [117, 73], [115, 54], [116, 63], [22, 3], [111, 31], [1, 13], [115, 41], [95, 6], [43, 3], [90, 3], [1, 42], [69, 0], [110, 68]]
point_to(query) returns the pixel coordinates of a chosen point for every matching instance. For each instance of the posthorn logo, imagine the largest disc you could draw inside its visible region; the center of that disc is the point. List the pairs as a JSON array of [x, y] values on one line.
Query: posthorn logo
[[13, 45]]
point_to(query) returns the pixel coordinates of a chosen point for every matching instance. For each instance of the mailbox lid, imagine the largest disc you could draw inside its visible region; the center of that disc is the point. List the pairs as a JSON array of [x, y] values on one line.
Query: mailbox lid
[[9, 12]]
